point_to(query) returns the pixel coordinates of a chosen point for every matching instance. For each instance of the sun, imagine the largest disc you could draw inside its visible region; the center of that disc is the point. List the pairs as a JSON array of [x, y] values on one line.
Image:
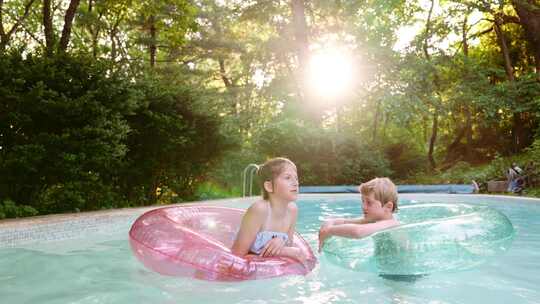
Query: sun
[[330, 73]]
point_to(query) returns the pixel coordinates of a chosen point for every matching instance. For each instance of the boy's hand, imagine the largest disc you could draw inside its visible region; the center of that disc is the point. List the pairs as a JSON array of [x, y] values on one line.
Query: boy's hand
[[273, 247], [323, 235]]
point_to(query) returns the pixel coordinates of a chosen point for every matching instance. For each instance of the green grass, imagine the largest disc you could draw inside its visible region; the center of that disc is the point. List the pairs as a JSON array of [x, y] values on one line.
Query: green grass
[[209, 190]]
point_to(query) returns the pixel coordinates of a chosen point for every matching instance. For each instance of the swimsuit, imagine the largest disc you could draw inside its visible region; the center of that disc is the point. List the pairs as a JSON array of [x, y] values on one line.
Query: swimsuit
[[264, 236]]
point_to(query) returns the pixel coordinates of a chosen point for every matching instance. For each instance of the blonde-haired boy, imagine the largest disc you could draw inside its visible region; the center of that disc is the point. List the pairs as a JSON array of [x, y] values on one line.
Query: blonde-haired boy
[[379, 202]]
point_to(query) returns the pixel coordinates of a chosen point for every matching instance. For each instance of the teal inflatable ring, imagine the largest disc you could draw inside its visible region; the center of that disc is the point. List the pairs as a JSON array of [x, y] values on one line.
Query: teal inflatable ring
[[431, 238]]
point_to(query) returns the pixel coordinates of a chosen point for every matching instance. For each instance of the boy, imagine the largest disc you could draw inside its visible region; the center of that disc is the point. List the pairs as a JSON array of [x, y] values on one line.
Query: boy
[[379, 201]]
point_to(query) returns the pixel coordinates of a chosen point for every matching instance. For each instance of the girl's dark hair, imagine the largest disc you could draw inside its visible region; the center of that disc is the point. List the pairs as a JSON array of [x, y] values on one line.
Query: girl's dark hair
[[268, 171]]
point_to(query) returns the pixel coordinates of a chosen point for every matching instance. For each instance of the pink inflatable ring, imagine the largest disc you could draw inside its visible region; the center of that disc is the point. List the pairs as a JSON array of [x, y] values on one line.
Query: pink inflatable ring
[[195, 242]]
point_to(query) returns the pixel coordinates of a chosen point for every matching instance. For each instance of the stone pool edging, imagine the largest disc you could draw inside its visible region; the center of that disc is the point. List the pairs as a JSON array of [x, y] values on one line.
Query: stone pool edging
[[49, 228]]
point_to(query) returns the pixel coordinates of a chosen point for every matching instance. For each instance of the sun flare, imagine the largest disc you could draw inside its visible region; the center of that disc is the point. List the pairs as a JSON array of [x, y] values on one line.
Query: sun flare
[[330, 73]]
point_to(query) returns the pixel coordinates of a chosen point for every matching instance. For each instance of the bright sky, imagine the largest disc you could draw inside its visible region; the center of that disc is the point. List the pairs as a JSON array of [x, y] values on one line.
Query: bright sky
[[406, 34]]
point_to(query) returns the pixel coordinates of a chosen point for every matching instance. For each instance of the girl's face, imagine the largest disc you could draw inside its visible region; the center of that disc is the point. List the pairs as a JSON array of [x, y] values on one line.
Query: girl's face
[[285, 185]]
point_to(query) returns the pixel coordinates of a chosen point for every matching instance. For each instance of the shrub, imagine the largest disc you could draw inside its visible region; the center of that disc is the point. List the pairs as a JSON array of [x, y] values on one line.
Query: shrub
[[172, 144], [61, 119], [75, 135], [405, 160], [322, 156], [8, 209]]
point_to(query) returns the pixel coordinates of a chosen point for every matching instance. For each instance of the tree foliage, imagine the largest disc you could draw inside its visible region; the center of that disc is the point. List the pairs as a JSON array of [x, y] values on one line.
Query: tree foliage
[[172, 84]]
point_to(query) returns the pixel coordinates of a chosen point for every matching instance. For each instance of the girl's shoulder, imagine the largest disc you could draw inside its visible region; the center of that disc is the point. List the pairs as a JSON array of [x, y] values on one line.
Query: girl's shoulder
[[259, 207]]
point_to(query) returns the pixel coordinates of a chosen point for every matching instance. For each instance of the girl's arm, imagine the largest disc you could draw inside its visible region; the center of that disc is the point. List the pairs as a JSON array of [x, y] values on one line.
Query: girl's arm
[[293, 211], [290, 250], [294, 253], [251, 224]]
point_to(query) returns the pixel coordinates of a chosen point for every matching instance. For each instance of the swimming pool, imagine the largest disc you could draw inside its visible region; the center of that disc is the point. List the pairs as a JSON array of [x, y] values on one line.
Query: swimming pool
[[86, 258]]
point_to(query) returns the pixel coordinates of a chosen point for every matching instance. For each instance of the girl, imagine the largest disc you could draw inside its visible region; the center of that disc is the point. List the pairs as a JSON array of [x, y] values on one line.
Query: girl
[[267, 227]]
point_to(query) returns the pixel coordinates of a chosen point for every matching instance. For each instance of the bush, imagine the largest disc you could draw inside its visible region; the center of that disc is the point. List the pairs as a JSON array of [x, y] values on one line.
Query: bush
[[227, 176], [359, 163], [61, 119], [8, 209], [74, 196], [75, 135], [405, 160], [172, 144], [322, 156]]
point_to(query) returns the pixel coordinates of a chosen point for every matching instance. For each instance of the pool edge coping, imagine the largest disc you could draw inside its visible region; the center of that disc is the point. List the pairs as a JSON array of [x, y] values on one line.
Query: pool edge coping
[[62, 217]]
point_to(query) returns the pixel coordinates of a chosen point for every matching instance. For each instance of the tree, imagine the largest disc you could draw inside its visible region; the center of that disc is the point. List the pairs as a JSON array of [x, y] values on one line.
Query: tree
[[7, 34], [163, 24], [529, 17], [49, 32]]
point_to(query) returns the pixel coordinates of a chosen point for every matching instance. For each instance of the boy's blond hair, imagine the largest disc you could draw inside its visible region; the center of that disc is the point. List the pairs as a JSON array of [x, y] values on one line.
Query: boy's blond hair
[[383, 189]]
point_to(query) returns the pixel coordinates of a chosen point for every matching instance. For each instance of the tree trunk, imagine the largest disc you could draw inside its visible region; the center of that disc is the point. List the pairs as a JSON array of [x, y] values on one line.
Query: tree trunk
[[518, 130], [435, 124], [113, 45], [300, 32], [93, 33], [433, 139], [504, 49], [301, 40], [376, 120], [464, 33], [223, 73], [68, 23], [455, 144], [428, 31], [467, 109], [468, 135], [95, 44], [3, 36], [386, 120], [229, 85], [48, 30], [152, 47], [529, 16], [112, 35]]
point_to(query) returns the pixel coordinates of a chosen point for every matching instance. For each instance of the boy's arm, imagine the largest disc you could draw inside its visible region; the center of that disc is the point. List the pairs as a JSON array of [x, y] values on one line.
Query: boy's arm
[[341, 221], [354, 231], [359, 220]]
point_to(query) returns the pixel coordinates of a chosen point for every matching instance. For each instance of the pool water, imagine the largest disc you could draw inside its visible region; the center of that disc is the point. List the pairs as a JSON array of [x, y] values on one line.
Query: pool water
[[98, 267]]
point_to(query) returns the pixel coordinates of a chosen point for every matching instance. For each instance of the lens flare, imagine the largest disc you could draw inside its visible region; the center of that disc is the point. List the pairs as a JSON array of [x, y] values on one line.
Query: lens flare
[[330, 74]]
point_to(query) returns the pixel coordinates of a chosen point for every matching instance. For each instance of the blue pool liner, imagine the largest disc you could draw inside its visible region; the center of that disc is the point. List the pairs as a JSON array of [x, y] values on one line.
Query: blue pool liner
[[447, 188]]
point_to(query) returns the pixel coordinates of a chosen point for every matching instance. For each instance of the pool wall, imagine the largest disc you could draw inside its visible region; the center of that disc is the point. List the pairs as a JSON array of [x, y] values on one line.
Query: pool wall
[[49, 228]]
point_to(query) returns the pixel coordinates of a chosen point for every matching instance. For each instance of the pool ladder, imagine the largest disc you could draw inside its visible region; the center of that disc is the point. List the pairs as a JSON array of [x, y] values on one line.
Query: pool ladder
[[247, 179]]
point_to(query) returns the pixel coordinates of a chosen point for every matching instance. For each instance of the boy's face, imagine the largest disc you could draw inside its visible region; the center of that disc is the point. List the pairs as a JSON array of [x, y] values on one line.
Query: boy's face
[[373, 209]]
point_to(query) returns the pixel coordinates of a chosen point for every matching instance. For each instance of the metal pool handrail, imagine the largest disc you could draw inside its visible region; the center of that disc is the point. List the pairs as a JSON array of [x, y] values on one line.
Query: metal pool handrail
[[248, 178]]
